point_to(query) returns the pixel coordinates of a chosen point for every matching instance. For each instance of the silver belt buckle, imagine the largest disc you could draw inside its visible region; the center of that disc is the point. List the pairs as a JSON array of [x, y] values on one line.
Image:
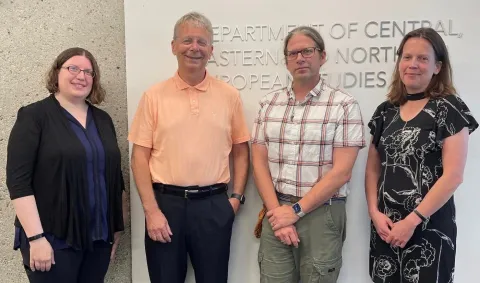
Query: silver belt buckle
[[187, 191]]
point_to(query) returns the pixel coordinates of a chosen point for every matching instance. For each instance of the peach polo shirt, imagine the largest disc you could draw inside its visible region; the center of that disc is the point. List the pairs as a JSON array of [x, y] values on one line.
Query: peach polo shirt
[[190, 130]]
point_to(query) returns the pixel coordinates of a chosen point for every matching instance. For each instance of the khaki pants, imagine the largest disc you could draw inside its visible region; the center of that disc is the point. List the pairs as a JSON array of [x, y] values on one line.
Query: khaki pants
[[318, 257]]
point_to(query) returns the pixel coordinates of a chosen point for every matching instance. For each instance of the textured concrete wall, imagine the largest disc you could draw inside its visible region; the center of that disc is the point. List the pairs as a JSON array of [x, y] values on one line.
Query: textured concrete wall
[[32, 34]]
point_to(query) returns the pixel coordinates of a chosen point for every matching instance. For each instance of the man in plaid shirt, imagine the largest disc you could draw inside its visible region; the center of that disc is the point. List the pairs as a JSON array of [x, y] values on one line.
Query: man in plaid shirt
[[304, 144]]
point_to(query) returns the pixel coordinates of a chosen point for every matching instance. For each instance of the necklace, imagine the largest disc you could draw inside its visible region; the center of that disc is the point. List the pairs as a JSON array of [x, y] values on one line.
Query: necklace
[[416, 96]]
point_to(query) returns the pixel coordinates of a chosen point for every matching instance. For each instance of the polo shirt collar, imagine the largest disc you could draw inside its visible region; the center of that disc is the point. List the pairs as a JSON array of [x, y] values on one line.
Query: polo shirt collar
[[202, 86]]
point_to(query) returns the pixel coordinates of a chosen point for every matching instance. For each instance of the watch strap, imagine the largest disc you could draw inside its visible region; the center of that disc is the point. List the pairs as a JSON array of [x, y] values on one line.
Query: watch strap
[[240, 197]]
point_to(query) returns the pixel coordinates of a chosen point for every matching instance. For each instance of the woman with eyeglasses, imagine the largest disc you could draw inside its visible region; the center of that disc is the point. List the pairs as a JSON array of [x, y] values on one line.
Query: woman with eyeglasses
[[64, 177], [415, 163]]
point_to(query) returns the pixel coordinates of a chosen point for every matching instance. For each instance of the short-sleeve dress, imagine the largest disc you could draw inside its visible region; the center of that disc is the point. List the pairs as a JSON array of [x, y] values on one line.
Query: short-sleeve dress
[[411, 163]]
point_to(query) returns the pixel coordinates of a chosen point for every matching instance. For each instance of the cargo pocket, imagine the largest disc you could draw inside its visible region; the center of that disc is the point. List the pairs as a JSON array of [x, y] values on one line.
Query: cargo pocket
[[278, 270], [326, 272]]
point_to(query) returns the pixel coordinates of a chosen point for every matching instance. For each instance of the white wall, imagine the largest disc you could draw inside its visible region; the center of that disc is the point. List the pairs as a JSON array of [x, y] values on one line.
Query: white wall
[[149, 29]]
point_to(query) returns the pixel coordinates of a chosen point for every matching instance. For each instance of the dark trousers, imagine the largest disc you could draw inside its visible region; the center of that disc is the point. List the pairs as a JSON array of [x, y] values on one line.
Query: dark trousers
[[201, 228], [72, 266]]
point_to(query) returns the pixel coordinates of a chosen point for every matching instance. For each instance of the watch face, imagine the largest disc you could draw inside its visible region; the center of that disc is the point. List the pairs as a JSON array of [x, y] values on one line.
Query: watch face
[[296, 208], [241, 198]]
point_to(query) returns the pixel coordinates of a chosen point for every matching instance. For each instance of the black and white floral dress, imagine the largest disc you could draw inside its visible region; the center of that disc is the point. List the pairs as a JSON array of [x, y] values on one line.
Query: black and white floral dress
[[411, 163]]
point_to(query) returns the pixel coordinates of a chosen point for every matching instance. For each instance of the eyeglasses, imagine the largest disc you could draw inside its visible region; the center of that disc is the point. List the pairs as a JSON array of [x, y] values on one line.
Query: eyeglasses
[[306, 53], [74, 70], [202, 42]]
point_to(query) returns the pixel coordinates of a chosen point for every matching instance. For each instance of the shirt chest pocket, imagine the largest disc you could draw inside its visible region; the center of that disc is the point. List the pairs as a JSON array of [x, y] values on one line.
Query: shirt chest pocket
[[321, 132]]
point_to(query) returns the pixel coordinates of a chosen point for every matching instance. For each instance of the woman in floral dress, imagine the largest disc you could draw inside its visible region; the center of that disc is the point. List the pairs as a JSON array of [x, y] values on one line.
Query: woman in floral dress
[[415, 163]]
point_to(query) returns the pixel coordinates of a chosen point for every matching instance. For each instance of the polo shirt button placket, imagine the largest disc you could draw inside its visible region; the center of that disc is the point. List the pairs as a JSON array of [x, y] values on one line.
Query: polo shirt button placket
[[193, 101]]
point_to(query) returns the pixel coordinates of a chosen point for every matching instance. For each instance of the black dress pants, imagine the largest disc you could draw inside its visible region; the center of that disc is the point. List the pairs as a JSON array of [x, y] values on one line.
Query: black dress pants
[[201, 228]]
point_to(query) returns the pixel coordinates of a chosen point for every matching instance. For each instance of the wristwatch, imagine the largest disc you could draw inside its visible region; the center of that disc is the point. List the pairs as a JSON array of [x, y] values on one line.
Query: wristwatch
[[298, 210], [240, 197]]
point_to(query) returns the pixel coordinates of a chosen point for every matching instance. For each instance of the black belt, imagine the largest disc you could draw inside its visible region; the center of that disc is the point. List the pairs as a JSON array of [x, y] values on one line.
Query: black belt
[[295, 199], [191, 192]]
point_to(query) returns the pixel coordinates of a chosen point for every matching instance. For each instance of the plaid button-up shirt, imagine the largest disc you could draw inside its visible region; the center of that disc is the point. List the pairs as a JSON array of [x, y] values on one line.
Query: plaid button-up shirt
[[300, 136]]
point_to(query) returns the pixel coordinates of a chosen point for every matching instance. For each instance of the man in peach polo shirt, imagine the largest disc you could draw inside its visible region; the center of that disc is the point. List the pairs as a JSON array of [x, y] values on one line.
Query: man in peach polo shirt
[[183, 132]]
